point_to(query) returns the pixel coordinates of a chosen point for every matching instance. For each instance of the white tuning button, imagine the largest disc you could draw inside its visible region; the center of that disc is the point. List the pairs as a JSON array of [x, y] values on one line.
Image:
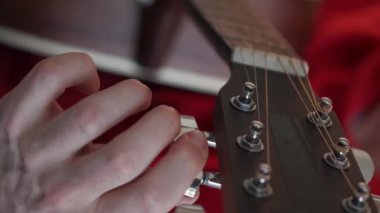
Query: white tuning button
[[358, 202], [244, 101], [321, 117], [337, 158], [251, 141], [259, 186]]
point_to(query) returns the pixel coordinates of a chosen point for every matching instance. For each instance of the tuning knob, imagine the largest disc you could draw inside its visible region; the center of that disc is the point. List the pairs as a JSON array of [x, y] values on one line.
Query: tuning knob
[[358, 202], [321, 117], [259, 186], [244, 101], [251, 141], [337, 158]]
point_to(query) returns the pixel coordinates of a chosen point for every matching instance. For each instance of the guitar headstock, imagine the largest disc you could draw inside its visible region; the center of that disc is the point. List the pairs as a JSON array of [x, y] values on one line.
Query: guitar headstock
[[280, 147], [295, 148]]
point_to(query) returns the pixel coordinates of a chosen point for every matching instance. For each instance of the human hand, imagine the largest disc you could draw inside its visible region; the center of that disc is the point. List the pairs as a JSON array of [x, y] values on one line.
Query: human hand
[[43, 170]]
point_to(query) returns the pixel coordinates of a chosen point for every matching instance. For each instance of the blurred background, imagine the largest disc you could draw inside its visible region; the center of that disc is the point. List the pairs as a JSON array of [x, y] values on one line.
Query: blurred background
[[122, 35]]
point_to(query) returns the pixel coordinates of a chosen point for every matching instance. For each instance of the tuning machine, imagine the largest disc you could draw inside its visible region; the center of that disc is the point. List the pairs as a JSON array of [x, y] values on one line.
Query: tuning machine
[[358, 202], [337, 158], [252, 141], [244, 101], [209, 179], [321, 117], [259, 186]]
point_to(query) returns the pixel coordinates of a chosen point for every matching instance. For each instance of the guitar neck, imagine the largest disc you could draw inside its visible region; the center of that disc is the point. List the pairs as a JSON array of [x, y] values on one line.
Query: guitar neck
[[240, 35]]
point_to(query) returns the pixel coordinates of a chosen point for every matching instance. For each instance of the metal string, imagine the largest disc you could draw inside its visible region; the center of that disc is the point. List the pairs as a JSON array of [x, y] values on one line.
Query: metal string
[[315, 108]]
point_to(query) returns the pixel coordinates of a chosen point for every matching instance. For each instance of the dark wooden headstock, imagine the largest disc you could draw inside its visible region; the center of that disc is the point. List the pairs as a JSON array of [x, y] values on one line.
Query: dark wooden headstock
[[293, 146], [301, 181]]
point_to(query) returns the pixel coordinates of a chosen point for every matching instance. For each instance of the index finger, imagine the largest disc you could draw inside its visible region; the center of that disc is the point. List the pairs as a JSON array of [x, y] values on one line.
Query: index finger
[[46, 82]]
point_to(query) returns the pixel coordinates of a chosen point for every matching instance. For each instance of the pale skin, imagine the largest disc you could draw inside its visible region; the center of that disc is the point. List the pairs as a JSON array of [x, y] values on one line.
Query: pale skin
[[42, 164]]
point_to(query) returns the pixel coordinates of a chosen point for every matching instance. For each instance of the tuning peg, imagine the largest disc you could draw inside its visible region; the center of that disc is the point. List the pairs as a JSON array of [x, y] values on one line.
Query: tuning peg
[[337, 158], [209, 179], [259, 186], [251, 141], [189, 209], [212, 180], [358, 202], [244, 101], [210, 136], [321, 117]]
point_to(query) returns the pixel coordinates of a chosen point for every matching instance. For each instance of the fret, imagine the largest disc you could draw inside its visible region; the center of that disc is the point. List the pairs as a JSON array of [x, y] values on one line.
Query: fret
[[232, 20], [233, 28]]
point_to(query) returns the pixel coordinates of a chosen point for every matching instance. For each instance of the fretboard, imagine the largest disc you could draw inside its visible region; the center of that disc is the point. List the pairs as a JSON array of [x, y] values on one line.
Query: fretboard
[[241, 35]]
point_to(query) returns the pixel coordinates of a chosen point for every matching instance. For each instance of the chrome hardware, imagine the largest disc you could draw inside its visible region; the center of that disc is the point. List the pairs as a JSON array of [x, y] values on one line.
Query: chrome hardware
[[210, 139], [244, 101], [337, 158], [259, 186], [251, 141], [191, 192], [358, 202], [188, 123], [209, 179], [212, 180], [321, 117], [189, 209]]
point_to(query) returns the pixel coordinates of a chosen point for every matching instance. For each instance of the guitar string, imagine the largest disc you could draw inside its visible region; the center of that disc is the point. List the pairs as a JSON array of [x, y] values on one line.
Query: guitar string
[[245, 67], [257, 86], [319, 130], [266, 123], [257, 98], [313, 103], [267, 108], [319, 117]]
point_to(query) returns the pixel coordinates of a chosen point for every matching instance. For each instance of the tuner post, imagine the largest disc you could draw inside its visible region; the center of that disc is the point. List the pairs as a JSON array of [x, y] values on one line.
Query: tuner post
[[321, 117], [259, 186], [251, 141], [358, 202], [244, 101], [337, 158]]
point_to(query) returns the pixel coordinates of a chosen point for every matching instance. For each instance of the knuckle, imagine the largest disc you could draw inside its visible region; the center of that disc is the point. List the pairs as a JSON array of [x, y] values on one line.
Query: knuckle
[[84, 58], [123, 166], [142, 91], [87, 119], [46, 71], [191, 155], [55, 200], [170, 116]]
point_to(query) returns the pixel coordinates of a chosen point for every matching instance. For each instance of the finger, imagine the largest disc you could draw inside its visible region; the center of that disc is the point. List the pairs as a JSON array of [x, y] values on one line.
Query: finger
[[162, 187], [46, 81], [66, 134], [119, 161]]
